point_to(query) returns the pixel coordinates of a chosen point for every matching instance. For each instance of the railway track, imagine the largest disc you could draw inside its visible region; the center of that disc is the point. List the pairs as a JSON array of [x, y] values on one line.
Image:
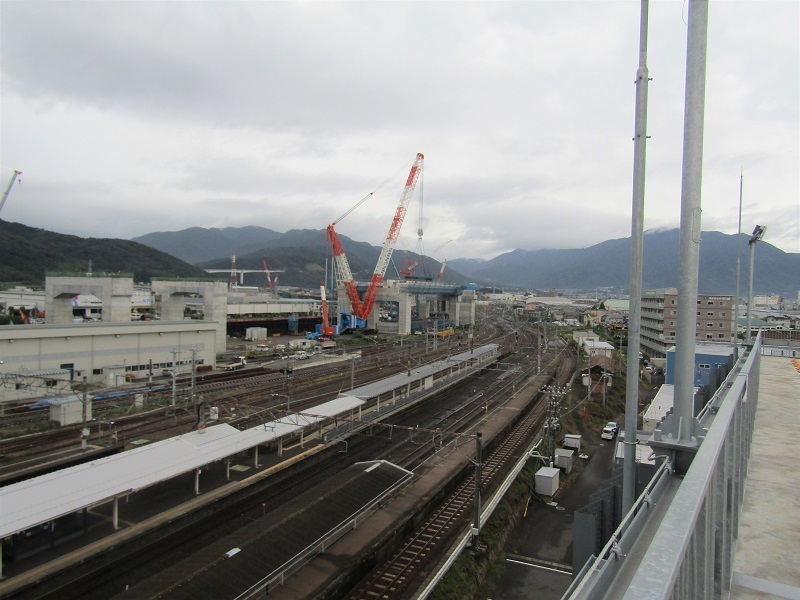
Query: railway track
[[408, 567], [414, 452], [251, 391]]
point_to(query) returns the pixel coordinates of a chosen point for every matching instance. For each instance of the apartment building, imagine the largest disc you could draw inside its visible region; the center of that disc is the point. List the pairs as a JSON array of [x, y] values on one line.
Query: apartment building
[[660, 319]]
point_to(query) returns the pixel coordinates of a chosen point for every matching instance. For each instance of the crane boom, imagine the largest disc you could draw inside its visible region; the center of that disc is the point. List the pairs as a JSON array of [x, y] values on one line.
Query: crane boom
[[8, 189], [399, 215], [326, 329], [363, 308], [391, 238]]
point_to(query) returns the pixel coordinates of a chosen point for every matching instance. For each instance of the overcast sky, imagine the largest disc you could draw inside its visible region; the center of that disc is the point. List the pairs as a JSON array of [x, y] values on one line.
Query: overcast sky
[[134, 117]]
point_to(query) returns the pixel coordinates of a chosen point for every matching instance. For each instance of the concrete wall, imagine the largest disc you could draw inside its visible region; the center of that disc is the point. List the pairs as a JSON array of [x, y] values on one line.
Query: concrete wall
[[92, 349]]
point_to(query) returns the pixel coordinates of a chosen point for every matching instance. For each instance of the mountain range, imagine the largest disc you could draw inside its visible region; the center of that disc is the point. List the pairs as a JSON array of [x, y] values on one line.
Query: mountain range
[[603, 265], [304, 257]]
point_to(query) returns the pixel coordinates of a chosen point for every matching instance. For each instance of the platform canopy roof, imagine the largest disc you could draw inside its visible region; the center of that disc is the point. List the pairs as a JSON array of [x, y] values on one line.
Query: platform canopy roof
[[394, 382], [41, 499]]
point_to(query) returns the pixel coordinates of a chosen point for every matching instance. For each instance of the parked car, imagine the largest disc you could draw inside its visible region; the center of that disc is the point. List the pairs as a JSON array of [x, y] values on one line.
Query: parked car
[[609, 431]]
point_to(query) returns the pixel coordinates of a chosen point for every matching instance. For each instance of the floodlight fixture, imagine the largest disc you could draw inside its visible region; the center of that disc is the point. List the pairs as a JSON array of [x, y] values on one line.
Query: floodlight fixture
[[758, 234]]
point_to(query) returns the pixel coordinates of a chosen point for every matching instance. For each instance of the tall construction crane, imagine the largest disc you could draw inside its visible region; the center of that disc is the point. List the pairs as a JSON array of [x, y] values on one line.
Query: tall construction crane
[[326, 330], [8, 189], [270, 281], [363, 308]]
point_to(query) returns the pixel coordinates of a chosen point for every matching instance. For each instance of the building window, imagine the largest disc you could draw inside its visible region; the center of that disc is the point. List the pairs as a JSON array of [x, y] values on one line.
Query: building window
[[672, 301], [698, 313], [704, 366], [709, 324], [97, 371], [722, 324], [710, 314], [709, 336], [722, 302], [711, 303], [722, 314], [722, 335]]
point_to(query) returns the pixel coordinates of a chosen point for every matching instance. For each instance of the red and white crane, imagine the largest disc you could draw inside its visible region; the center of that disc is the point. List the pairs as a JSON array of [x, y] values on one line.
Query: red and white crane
[[270, 281], [326, 330], [441, 270], [363, 308]]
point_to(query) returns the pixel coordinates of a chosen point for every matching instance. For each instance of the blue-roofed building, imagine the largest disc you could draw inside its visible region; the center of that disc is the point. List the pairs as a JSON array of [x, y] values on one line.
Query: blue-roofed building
[[707, 357]]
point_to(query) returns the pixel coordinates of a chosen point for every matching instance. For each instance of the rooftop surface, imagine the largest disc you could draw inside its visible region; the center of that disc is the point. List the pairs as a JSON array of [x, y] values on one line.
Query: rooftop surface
[[769, 530]]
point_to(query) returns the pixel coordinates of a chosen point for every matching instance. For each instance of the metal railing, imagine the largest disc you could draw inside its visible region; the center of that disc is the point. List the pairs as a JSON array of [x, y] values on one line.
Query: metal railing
[[690, 552]]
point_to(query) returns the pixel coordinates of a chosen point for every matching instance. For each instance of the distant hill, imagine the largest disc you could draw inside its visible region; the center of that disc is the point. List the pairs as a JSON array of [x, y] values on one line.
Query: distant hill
[[26, 253], [196, 245], [466, 266], [607, 264], [304, 253]]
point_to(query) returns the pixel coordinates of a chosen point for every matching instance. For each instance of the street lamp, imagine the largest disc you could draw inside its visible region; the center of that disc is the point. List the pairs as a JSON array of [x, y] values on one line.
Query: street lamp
[[758, 235]]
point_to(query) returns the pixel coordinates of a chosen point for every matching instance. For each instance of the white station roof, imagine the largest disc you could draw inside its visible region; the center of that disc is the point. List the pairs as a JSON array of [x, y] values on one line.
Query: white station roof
[[41, 499], [393, 382]]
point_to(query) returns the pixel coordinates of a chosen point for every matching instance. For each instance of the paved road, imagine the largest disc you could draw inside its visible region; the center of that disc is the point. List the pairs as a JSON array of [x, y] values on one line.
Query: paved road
[[545, 534]]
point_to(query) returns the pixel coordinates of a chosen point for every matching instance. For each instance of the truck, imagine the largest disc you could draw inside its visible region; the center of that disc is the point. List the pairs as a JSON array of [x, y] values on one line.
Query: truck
[[240, 362]]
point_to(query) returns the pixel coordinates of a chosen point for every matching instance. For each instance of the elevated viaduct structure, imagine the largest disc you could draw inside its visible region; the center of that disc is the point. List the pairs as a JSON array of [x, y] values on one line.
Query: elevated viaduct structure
[[426, 298], [214, 296], [114, 291]]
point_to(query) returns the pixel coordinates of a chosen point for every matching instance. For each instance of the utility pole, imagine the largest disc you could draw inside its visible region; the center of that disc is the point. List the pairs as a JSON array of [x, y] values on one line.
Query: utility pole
[[174, 375], [478, 486], [194, 374], [554, 396], [84, 403], [539, 354]]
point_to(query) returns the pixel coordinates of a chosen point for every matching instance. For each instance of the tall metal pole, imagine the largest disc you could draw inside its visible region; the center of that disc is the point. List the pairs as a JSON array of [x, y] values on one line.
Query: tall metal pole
[[694, 116], [738, 274], [750, 292], [194, 374], [758, 234], [637, 261], [478, 461], [84, 433]]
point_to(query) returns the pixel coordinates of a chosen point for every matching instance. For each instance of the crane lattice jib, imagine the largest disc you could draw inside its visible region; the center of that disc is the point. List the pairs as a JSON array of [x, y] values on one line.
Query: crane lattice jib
[[397, 222], [391, 238], [344, 275], [8, 189]]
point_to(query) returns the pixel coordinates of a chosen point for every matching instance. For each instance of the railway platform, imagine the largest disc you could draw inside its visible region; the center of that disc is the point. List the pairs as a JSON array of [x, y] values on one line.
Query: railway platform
[[360, 546], [260, 557]]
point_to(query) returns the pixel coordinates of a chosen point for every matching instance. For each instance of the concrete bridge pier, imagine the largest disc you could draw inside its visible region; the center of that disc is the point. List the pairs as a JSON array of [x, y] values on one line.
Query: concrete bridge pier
[[114, 291], [215, 303]]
